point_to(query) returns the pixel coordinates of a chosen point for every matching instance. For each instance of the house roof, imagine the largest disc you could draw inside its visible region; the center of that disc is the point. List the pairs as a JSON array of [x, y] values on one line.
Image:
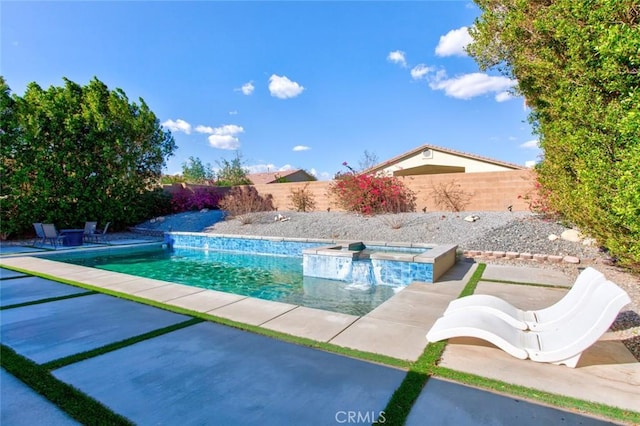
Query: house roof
[[421, 148], [270, 177]]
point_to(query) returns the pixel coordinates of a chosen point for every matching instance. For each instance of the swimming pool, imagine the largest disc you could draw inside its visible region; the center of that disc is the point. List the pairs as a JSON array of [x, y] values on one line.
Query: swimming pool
[[346, 277], [269, 277]]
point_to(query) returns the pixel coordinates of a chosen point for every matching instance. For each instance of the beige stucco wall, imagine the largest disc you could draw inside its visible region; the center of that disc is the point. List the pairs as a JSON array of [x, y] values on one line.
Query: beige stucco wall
[[491, 191], [444, 159]]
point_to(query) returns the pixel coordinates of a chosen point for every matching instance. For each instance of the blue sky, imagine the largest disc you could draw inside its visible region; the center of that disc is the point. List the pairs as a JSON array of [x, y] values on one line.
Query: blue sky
[[286, 84]]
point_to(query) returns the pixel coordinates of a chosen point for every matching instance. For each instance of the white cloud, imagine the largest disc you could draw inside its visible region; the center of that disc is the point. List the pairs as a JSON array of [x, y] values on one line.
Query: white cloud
[[283, 88], [263, 168], [301, 148], [503, 96], [234, 112], [533, 144], [397, 57], [420, 71], [224, 142], [247, 88], [313, 172], [454, 42], [530, 163], [204, 129], [468, 86], [223, 137], [178, 126]]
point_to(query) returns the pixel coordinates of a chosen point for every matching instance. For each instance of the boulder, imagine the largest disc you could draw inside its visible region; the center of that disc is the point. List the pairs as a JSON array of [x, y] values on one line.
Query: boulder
[[553, 237], [572, 235]]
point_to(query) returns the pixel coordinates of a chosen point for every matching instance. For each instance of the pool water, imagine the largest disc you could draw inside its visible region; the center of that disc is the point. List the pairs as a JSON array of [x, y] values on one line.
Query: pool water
[[269, 277]]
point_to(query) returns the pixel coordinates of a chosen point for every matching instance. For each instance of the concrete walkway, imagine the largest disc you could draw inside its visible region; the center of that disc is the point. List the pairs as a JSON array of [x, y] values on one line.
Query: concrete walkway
[[212, 374]]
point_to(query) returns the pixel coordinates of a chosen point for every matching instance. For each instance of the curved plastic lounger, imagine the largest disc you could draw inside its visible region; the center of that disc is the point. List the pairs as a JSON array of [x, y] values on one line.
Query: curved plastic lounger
[[482, 325], [538, 320], [566, 344], [562, 345]]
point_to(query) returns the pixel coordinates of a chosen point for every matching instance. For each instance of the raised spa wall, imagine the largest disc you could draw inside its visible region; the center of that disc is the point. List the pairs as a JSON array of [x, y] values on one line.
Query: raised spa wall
[[383, 262], [362, 263]]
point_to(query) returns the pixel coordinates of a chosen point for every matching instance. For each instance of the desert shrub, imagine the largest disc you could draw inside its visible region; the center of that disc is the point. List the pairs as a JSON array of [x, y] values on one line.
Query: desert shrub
[[395, 221], [370, 194], [450, 196], [242, 200], [198, 199], [302, 199]]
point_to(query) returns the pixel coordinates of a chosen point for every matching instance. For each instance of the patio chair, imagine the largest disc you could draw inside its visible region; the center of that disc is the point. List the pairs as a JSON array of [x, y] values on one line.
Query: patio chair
[[101, 235], [89, 230], [51, 234], [561, 345], [537, 320], [39, 233]]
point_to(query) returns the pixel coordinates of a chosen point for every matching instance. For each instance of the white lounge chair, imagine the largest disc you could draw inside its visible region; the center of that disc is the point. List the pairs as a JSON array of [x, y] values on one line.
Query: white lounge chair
[[561, 345], [539, 320]]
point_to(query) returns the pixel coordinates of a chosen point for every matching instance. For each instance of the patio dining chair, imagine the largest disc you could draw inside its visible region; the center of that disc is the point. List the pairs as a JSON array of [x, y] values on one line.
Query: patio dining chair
[[39, 233], [101, 235], [51, 234], [89, 230]]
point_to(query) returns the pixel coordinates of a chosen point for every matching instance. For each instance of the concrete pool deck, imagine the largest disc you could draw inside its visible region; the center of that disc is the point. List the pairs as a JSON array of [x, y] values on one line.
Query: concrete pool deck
[[607, 374]]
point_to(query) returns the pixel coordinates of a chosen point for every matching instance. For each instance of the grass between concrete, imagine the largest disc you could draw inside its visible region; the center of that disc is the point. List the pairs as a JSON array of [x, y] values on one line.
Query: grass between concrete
[[401, 402]]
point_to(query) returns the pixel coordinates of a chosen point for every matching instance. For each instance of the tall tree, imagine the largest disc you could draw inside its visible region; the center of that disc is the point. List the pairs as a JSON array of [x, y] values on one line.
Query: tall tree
[[195, 171], [80, 153], [232, 173], [577, 63]]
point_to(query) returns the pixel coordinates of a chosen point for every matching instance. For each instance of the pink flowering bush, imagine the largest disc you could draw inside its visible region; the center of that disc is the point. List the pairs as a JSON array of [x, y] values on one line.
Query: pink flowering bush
[[198, 199], [369, 194], [539, 202]]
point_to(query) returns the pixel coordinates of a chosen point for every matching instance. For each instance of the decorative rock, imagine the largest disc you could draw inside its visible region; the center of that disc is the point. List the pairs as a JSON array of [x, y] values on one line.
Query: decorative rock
[[571, 259], [472, 218], [554, 258], [512, 254], [589, 242], [553, 237], [572, 235], [527, 256], [539, 257]]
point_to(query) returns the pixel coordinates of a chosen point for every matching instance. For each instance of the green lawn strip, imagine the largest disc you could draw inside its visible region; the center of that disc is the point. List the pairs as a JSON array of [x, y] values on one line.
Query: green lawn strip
[[47, 300], [399, 406], [563, 287], [61, 362], [79, 406], [556, 400]]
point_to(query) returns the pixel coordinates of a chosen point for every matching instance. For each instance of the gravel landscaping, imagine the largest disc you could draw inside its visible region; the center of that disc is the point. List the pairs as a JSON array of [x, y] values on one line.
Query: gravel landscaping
[[493, 231]]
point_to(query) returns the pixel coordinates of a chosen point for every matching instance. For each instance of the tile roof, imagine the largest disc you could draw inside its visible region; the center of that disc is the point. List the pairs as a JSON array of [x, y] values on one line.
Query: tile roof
[[269, 177]]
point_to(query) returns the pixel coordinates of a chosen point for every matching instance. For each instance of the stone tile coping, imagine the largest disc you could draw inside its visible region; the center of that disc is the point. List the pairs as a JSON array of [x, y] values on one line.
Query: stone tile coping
[[383, 330]]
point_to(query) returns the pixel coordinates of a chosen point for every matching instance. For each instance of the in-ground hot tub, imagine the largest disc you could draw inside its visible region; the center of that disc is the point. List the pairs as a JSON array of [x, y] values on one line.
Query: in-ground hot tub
[[371, 264]]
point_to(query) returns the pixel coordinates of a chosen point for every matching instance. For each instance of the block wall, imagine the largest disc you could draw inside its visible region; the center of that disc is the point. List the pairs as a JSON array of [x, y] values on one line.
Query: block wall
[[488, 191]]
